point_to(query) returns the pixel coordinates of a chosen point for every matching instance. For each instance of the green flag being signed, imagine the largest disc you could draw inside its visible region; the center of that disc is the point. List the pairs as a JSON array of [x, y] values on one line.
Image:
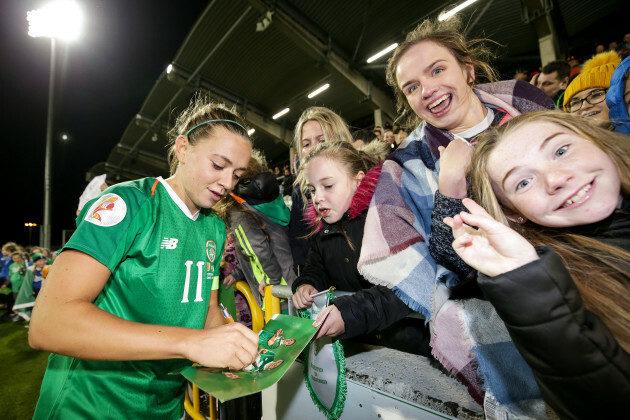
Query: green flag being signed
[[280, 342]]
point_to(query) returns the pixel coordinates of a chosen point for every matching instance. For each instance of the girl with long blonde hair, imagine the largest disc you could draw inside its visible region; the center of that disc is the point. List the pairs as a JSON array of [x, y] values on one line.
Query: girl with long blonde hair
[[316, 125], [341, 182]]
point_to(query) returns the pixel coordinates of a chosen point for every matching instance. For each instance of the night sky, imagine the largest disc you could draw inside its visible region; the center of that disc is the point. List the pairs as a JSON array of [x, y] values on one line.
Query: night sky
[[102, 80]]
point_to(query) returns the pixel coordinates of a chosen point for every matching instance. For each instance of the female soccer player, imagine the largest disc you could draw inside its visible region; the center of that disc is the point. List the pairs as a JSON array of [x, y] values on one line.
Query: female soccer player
[[133, 296]]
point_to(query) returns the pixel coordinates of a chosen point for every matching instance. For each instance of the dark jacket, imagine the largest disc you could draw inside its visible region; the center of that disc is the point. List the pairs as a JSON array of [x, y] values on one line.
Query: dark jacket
[[581, 370], [287, 185], [332, 262], [263, 255]]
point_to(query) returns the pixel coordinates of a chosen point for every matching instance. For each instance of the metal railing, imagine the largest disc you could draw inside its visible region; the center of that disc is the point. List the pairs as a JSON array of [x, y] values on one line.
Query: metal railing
[[192, 402]]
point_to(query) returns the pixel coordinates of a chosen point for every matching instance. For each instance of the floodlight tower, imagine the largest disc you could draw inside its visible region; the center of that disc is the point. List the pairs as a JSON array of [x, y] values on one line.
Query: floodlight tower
[[58, 20]]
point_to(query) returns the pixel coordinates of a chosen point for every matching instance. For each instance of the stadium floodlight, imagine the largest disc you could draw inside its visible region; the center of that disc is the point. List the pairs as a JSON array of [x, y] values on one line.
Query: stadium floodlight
[[280, 114], [60, 19], [382, 53], [318, 90], [455, 9]]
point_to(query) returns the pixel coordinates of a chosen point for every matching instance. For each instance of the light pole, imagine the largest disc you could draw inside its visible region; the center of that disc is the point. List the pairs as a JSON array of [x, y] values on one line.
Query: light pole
[[30, 227], [58, 20]]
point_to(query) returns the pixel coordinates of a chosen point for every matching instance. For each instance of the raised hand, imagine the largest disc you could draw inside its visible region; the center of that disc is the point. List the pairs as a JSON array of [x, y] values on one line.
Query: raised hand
[[494, 248], [454, 166]]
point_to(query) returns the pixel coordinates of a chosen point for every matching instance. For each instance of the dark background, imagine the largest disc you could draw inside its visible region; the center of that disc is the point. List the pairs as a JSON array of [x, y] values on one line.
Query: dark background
[[102, 81]]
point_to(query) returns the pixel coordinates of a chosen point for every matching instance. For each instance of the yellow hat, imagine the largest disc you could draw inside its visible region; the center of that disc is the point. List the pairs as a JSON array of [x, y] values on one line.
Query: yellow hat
[[596, 72]]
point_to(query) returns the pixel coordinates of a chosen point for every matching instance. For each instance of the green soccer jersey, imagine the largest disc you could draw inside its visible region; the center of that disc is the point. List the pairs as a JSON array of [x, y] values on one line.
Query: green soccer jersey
[[164, 263], [17, 272]]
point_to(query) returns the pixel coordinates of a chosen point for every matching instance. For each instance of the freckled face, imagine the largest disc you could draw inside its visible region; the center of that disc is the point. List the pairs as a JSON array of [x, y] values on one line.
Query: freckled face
[[210, 168], [437, 87], [553, 177], [331, 188]]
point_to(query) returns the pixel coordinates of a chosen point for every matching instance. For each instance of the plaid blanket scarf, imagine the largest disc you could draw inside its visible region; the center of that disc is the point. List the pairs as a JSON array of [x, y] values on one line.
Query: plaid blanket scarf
[[468, 337]]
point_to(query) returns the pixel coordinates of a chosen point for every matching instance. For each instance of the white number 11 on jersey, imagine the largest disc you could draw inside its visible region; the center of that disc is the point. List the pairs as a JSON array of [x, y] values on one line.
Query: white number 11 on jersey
[[198, 297]]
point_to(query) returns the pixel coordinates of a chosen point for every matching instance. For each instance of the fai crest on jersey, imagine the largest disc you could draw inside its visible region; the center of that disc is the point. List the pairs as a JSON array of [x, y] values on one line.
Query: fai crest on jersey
[[108, 210], [211, 250]]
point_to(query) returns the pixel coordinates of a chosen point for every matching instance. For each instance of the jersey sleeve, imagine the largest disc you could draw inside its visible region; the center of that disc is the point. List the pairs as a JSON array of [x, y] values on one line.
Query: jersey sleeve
[[215, 283], [107, 225]]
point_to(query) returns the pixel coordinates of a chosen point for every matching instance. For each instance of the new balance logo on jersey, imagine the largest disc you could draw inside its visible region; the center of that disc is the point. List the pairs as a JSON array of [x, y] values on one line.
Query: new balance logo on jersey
[[169, 243]]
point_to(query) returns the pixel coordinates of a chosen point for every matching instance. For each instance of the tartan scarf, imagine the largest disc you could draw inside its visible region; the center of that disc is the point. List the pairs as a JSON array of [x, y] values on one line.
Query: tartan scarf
[[468, 338]]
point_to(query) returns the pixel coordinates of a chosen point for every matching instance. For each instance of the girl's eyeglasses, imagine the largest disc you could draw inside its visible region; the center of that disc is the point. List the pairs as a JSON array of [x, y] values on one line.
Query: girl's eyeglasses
[[593, 98]]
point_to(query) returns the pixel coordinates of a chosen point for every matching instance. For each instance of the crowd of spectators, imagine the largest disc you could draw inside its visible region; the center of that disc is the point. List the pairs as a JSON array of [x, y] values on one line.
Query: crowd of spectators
[[21, 278]]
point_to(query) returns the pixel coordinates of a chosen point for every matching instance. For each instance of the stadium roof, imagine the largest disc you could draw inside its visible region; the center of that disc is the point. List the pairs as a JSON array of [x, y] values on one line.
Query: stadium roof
[[264, 56]]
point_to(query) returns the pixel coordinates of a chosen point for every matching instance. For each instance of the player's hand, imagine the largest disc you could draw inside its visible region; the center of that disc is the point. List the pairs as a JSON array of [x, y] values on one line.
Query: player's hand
[[454, 166], [302, 296], [231, 345], [494, 248], [229, 281], [331, 322]]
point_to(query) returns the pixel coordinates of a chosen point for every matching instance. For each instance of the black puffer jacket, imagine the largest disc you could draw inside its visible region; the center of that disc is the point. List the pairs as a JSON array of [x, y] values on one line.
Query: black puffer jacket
[[581, 370], [332, 262]]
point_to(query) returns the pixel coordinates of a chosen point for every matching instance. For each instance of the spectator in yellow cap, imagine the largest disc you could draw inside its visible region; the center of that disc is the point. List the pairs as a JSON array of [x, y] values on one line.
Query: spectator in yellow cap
[[586, 94]]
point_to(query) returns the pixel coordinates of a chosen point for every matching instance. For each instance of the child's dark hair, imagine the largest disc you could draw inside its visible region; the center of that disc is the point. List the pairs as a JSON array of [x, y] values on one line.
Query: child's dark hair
[[364, 135], [561, 66], [190, 124]]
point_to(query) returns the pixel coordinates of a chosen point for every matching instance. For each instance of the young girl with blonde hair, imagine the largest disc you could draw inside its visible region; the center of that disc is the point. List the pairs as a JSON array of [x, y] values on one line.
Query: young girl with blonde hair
[[341, 182], [316, 125]]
